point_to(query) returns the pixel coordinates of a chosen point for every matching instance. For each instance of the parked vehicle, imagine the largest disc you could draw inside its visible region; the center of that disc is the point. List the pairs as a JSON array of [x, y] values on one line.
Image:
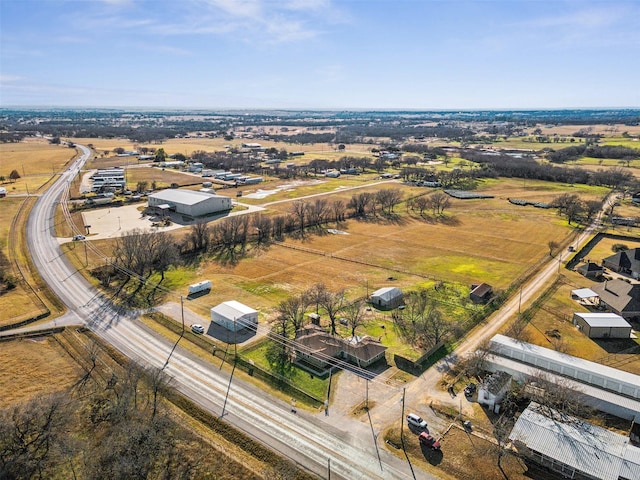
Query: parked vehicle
[[416, 421], [200, 287], [470, 389], [197, 328], [429, 441]]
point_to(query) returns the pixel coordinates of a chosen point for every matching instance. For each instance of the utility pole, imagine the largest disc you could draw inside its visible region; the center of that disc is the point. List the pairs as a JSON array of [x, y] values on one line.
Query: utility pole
[[366, 401]]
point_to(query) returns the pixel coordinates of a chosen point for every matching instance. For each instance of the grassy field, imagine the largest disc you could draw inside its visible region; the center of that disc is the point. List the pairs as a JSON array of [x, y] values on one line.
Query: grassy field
[[18, 303], [36, 161], [187, 146], [31, 367]]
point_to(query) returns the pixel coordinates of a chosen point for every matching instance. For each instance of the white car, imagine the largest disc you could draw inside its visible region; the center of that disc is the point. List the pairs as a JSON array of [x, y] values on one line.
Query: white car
[[78, 237], [416, 421], [197, 328]]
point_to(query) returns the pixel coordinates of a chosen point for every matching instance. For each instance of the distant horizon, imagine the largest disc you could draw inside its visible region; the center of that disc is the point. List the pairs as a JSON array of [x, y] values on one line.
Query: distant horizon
[[310, 109], [321, 55]]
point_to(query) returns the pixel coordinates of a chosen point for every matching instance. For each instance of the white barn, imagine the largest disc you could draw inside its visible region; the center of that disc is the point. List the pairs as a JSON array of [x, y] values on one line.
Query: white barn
[[602, 325], [189, 202], [387, 297], [234, 316]]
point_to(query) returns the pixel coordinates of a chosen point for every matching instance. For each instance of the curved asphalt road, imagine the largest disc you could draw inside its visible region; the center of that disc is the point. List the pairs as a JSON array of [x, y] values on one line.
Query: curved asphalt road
[[300, 437]]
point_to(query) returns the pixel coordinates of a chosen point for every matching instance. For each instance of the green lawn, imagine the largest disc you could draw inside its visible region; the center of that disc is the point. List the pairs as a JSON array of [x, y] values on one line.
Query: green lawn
[[302, 379]]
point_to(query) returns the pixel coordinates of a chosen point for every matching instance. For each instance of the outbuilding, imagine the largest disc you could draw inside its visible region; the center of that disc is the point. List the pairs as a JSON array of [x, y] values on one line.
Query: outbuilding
[[387, 297], [234, 316], [190, 203], [602, 325]]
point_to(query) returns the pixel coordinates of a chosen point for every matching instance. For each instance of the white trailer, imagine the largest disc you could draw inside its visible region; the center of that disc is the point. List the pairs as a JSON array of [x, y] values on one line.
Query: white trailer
[[200, 287]]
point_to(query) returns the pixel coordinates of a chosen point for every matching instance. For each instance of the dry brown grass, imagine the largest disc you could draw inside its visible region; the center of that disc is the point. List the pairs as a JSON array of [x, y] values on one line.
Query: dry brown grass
[[19, 303], [32, 367], [36, 161]]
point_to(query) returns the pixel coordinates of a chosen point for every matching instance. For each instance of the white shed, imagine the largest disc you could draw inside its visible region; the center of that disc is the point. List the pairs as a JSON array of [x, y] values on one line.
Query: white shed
[[190, 202], [387, 297], [602, 325], [234, 316]]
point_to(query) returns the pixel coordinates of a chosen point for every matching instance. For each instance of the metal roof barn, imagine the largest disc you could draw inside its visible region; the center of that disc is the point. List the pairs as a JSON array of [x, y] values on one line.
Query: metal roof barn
[[570, 445], [234, 316], [191, 203], [602, 325]]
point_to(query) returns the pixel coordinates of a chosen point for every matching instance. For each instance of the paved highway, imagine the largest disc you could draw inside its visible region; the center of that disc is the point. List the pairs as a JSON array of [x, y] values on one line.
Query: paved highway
[[300, 437]]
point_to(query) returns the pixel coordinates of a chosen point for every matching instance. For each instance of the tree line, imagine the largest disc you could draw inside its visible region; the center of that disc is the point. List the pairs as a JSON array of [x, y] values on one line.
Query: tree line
[[596, 151]]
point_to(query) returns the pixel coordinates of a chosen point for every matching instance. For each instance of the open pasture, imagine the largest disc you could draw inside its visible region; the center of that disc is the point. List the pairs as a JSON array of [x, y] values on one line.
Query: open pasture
[[493, 246], [15, 304], [187, 146], [32, 367], [36, 160]]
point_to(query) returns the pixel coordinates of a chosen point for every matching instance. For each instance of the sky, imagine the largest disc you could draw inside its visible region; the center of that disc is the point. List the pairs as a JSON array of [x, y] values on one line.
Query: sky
[[320, 54]]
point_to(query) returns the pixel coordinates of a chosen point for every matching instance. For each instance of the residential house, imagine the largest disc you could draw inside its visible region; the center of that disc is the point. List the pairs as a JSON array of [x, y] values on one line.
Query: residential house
[[319, 349], [620, 297], [591, 270], [627, 261]]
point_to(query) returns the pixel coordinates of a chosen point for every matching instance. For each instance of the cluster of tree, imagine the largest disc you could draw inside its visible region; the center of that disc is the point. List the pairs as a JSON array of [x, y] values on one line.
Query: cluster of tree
[[574, 208], [11, 137], [503, 165], [367, 204], [423, 149], [143, 253], [399, 131], [436, 202], [98, 431], [236, 161], [595, 151], [292, 317], [421, 323], [303, 138]]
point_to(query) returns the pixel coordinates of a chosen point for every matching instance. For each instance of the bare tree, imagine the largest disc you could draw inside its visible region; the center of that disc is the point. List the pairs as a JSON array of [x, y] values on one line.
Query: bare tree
[[339, 209], [263, 226], [552, 244], [388, 199], [199, 236], [421, 203], [361, 203], [300, 210], [31, 435], [354, 314], [318, 211], [333, 303], [438, 202]]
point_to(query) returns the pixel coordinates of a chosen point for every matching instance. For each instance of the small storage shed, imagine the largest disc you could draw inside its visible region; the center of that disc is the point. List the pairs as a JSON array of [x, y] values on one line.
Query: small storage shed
[[234, 316], [493, 389], [387, 297], [602, 325], [481, 293]]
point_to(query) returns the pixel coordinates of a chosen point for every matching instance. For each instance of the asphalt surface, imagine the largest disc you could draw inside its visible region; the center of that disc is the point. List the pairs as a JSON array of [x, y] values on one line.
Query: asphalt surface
[[302, 437]]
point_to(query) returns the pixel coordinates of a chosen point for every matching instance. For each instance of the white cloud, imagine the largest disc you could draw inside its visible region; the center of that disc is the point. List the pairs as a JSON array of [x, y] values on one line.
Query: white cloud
[[4, 78]]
